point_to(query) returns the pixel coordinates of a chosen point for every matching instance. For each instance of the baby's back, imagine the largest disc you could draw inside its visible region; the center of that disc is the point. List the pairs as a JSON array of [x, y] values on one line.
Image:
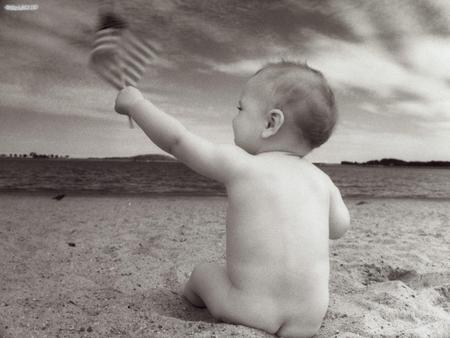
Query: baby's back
[[277, 233]]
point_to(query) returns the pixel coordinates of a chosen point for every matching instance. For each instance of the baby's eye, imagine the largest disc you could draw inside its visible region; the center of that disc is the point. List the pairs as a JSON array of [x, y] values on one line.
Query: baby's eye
[[239, 108]]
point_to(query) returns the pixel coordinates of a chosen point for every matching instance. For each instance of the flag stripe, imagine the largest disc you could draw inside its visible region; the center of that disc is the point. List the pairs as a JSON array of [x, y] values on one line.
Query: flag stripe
[[137, 49], [111, 43], [131, 72], [133, 57], [134, 66], [111, 73], [111, 77], [139, 45], [107, 36], [119, 56], [136, 57]]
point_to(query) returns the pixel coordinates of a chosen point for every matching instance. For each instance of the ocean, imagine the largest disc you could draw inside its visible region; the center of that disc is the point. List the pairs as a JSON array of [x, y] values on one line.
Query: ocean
[[173, 178]]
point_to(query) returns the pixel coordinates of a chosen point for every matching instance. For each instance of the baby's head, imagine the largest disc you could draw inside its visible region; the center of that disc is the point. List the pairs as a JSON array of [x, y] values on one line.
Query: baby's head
[[285, 106]]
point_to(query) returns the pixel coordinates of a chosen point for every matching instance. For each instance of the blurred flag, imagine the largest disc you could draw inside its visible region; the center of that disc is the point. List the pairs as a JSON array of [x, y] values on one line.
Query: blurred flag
[[105, 55], [119, 56]]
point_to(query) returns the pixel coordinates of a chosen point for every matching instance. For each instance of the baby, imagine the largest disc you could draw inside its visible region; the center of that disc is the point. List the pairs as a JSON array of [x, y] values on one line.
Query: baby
[[282, 209]]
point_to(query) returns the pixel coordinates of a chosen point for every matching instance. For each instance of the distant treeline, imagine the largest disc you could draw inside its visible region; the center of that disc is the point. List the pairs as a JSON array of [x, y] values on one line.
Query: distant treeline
[[392, 162], [33, 155], [144, 158]]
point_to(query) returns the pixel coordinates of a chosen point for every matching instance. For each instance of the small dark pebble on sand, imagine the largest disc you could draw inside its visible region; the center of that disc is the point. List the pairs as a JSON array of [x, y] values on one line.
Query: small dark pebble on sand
[[361, 202], [71, 244], [89, 329], [59, 197]]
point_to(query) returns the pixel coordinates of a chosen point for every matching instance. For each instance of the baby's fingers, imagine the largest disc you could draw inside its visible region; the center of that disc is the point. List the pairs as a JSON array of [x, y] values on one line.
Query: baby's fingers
[[119, 108], [126, 99]]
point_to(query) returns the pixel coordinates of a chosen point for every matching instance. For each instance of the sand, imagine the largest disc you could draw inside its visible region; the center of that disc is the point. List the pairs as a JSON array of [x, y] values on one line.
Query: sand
[[112, 266]]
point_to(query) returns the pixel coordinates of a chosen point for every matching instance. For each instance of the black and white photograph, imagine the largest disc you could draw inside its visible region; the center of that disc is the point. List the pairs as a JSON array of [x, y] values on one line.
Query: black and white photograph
[[225, 168]]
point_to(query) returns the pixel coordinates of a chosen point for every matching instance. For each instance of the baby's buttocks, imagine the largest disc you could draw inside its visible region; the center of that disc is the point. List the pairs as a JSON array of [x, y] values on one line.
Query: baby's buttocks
[[278, 315]]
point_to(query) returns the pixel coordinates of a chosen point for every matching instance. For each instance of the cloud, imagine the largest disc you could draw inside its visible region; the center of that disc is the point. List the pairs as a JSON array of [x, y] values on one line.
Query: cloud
[[428, 55], [225, 31], [387, 61], [369, 66], [240, 68], [87, 102], [416, 88], [436, 112], [271, 53]]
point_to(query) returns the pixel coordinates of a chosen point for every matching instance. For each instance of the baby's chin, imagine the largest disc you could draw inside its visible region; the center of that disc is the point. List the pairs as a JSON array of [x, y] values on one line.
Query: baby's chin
[[249, 148], [244, 148]]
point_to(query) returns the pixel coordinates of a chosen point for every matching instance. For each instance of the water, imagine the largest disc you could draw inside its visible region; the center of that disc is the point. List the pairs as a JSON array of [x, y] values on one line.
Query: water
[[166, 178]]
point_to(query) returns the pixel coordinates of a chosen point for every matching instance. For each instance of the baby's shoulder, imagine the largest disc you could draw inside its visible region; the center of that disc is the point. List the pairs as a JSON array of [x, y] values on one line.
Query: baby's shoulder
[[290, 168], [311, 178]]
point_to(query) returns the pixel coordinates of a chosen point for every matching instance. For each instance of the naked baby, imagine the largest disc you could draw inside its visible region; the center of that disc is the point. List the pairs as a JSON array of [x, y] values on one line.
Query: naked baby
[[281, 208]]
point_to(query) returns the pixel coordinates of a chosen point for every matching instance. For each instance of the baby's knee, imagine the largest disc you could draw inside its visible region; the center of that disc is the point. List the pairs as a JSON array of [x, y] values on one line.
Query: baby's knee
[[212, 284]]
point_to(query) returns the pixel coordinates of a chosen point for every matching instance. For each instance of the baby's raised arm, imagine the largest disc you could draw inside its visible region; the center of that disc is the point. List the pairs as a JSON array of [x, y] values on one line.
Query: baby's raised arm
[[339, 216], [219, 162]]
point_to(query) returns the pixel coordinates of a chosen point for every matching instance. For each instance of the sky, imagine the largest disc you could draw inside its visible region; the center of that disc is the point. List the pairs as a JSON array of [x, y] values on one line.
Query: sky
[[387, 62]]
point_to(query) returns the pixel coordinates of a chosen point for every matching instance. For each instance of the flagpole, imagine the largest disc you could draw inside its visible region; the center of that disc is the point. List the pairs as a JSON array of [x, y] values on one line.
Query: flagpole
[[112, 4]]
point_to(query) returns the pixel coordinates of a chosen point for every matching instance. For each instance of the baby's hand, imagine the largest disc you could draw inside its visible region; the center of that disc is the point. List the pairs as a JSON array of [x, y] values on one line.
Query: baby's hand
[[126, 99]]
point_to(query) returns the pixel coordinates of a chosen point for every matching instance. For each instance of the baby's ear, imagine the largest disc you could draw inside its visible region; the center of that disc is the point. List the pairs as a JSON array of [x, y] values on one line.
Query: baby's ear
[[274, 121]]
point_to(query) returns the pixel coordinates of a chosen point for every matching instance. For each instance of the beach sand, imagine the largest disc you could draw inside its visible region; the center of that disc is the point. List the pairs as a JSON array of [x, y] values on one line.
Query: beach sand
[[90, 266]]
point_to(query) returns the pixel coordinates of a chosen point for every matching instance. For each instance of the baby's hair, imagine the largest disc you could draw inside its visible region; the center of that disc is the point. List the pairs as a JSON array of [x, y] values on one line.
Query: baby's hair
[[302, 93]]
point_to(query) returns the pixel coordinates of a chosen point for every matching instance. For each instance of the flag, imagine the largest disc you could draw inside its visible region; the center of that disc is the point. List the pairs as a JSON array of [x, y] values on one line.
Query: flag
[[136, 55], [105, 54], [118, 55]]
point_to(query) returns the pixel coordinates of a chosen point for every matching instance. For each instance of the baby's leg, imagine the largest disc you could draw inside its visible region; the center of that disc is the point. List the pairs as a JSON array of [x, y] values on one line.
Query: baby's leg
[[210, 286]]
